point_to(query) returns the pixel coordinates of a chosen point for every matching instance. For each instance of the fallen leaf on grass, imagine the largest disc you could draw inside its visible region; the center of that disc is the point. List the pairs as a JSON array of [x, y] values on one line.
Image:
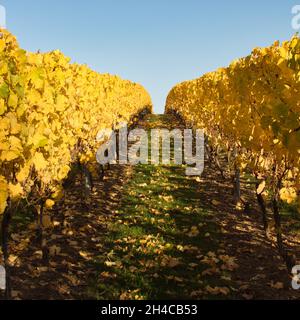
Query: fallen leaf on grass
[[211, 271], [106, 274], [142, 185], [64, 289], [173, 262], [177, 279], [167, 198], [195, 294], [43, 269], [244, 287], [210, 259], [12, 259], [247, 296], [84, 254], [216, 203], [226, 278], [261, 187], [180, 248], [229, 263], [73, 243], [15, 236], [217, 290], [110, 263], [174, 278], [56, 223], [276, 285], [193, 265], [194, 232], [133, 269], [239, 206], [38, 253]]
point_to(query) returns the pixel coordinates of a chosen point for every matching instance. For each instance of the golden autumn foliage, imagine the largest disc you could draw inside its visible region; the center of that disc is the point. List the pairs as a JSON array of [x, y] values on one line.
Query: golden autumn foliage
[[50, 113], [252, 106]]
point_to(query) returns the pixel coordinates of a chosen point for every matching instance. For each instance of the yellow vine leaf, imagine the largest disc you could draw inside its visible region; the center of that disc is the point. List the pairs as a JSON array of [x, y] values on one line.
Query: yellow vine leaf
[[39, 161], [49, 203], [9, 155], [15, 190], [3, 194]]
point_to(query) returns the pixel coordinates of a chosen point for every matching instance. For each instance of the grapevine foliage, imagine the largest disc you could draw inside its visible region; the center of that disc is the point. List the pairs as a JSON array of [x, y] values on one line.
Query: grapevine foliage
[[50, 113]]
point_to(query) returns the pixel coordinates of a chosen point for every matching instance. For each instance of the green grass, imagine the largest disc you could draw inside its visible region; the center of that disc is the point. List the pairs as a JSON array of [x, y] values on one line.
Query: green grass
[[22, 217], [151, 252], [290, 217]]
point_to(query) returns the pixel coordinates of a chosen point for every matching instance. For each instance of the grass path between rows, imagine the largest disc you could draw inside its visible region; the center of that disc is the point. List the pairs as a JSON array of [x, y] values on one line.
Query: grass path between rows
[[151, 232], [173, 237]]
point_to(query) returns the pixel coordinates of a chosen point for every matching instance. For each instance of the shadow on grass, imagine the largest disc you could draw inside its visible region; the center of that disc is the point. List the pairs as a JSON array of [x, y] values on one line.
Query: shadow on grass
[[160, 236]]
